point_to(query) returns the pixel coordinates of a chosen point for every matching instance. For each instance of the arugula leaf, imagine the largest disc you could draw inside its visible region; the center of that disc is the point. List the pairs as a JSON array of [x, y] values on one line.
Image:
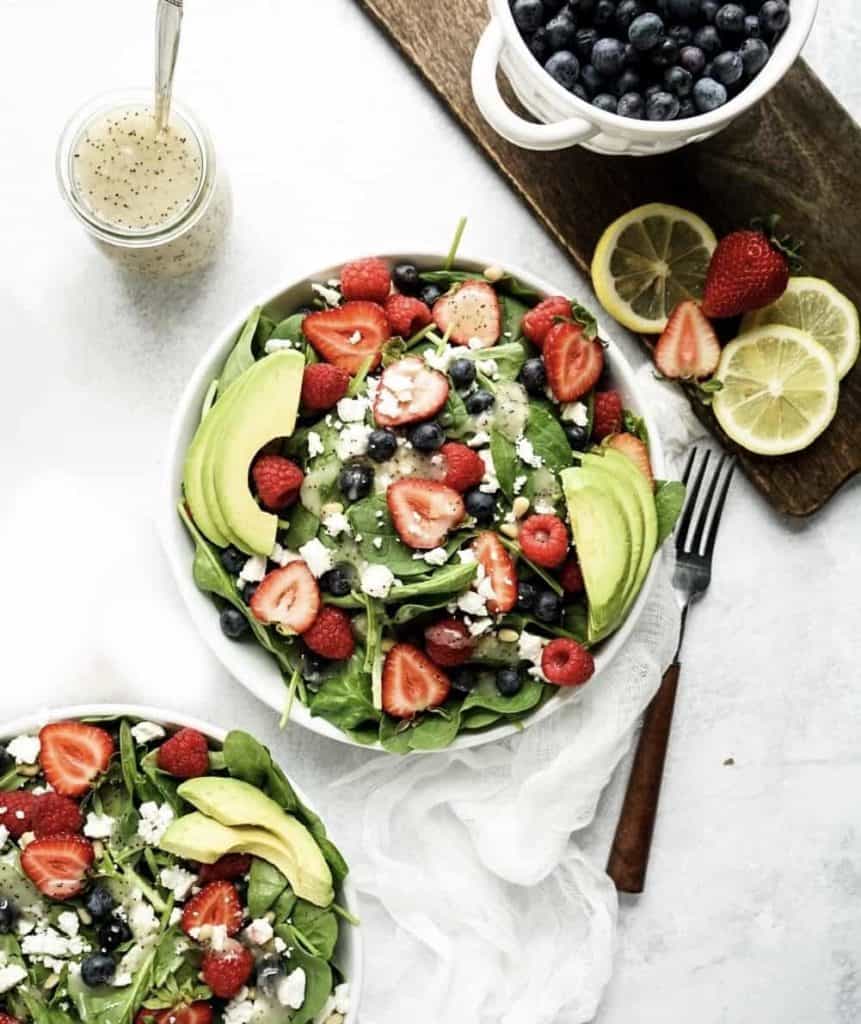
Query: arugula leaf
[[265, 886], [548, 438], [242, 354], [448, 579], [504, 462], [636, 425], [669, 501]]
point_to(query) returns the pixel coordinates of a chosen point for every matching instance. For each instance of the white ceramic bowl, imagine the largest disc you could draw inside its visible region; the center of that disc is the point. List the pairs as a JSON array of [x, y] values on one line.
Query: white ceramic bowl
[[348, 954], [248, 662], [569, 121]]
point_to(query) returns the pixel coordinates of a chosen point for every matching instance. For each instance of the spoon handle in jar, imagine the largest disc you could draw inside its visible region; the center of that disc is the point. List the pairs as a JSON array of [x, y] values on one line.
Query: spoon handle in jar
[[167, 28]]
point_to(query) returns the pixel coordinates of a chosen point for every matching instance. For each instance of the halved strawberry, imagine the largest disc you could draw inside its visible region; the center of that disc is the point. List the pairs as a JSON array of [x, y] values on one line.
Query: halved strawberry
[[73, 755], [469, 311], [185, 1013], [537, 322], [349, 335], [287, 597], [499, 569], [423, 511], [634, 449], [58, 865], [573, 361], [409, 391], [228, 867], [411, 682], [217, 904], [688, 348]]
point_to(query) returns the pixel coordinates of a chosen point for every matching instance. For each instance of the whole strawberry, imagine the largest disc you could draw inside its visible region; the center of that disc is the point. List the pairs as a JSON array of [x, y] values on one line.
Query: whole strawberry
[[749, 269]]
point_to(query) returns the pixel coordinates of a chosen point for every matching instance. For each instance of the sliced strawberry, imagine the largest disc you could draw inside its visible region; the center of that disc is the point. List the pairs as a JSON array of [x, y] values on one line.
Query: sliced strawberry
[[58, 865], [499, 569], [689, 348], [423, 511], [634, 449], [411, 682], [409, 391], [73, 755], [185, 1013], [226, 868], [287, 597], [537, 322], [217, 904], [470, 313], [350, 335], [573, 361]]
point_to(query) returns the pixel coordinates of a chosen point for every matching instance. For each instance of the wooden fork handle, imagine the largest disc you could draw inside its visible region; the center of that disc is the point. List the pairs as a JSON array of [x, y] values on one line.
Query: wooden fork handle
[[629, 856]]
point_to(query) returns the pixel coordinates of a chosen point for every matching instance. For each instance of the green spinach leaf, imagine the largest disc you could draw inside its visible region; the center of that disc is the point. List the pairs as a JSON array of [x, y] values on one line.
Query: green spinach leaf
[[504, 462], [345, 699], [669, 501], [242, 355], [548, 438], [488, 698], [303, 527], [448, 579], [318, 925], [265, 886]]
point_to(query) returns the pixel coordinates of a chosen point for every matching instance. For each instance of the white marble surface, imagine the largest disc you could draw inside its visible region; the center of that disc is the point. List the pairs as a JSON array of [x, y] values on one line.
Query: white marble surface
[[752, 911]]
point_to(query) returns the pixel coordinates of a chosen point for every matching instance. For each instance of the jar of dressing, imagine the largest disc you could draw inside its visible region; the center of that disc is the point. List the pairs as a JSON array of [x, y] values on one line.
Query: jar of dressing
[[156, 202]]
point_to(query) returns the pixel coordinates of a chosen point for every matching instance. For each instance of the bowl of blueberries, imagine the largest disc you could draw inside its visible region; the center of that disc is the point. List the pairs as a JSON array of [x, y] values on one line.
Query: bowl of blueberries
[[632, 77]]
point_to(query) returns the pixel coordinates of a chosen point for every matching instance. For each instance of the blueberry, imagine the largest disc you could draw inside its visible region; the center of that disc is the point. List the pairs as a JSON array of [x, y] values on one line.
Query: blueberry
[[312, 667], [681, 35], [686, 10], [709, 95], [580, 93], [97, 969], [382, 445], [427, 437], [406, 278], [773, 16], [708, 11], [754, 56], [538, 45], [728, 67], [356, 481], [633, 57], [628, 81], [591, 81], [650, 90], [508, 682], [664, 54], [662, 106], [626, 12], [113, 933], [752, 27], [608, 57], [692, 59], [687, 108], [233, 560], [270, 971], [708, 40], [480, 505], [678, 81], [526, 594], [8, 915], [605, 12], [646, 31], [6, 760], [730, 19], [248, 591], [478, 402], [463, 680], [629, 105], [586, 39], [528, 14], [338, 581], [431, 293], [533, 376], [548, 607], [99, 902], [462, 372], [564, 67], [578, 437], [606, 101], [561, 31], [233, 623], [552, 7]]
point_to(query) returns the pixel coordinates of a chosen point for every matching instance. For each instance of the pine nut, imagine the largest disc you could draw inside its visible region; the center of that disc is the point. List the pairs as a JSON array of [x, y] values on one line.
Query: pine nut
[[494, 273], [332, 509], [508, 636], [520, 507], [511, 530]]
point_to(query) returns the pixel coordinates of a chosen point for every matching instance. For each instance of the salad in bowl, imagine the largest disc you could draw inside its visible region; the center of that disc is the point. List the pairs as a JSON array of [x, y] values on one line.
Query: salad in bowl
[[165, 873], [426, 490]]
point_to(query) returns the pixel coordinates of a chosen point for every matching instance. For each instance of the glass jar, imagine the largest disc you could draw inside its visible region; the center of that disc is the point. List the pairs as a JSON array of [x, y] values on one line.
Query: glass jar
[[155, 202]]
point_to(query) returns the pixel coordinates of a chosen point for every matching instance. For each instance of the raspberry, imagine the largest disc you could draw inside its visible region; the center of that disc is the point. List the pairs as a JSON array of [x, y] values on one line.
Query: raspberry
[[330, 635], [323, 385], [571, 578], [448, 643], [607, 418], [538, 321], [16, 809], [226, 868], [566, 663], [366, 279], [227, 971], [464, 468], [544, 540], [55, 815], [277, 481], [6, 1019], [185, 755], [406, 315]]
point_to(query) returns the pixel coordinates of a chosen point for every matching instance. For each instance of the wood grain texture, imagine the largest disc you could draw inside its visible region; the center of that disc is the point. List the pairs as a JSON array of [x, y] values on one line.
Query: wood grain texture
[[797, 153]]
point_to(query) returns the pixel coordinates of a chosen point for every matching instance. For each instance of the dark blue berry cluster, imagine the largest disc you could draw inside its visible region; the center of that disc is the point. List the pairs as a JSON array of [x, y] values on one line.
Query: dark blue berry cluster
[[657, 60]]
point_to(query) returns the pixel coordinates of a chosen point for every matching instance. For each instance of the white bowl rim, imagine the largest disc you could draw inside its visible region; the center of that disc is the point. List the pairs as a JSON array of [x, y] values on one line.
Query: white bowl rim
[[179, 552], [781, 60], [34, 720]]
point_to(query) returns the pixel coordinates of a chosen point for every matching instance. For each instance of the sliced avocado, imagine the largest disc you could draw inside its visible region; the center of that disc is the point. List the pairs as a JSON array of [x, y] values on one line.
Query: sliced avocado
[[603, 543], [235, 803], [192, 480]]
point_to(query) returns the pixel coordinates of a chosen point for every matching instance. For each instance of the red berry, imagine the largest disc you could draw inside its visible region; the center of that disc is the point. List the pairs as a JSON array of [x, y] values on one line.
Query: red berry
[[747, 271], [571, 577], [688, 348], [55, 815], [566, 663], [499, 569], [409, 391], [5, 1018], [469, 312], [185, 755], [423, 511], [73, 754], [288, 597], [544, 540], [216, 905], [226, 971], [464, 468], [350, 336], [16, 809], [330, 635], [411, 682], [185, 1013], [448, 643], [58, 865], [607, 417], [277, 481], [573, 361], [323, 386], [366, 279], [538, 321], [226, 868], [406, 315]]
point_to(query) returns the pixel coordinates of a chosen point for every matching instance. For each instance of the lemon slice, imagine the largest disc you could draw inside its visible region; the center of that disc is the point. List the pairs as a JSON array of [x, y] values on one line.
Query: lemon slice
[[815, 306], [650, 260], [780, 390]]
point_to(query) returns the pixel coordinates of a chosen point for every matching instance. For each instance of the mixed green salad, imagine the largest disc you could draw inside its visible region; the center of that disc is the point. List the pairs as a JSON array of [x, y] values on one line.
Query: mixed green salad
[[420, 491], [150, 876]]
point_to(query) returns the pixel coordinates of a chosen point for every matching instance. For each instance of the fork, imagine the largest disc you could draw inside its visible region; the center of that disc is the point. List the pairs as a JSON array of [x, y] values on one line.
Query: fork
[[695, 542]]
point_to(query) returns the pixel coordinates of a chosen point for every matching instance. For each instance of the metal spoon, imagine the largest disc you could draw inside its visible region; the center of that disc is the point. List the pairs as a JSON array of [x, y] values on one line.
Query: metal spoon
[[168, 21]]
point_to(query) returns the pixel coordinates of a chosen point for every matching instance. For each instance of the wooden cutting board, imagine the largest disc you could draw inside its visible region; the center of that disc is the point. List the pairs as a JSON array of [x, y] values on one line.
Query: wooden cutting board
[[798, 153]]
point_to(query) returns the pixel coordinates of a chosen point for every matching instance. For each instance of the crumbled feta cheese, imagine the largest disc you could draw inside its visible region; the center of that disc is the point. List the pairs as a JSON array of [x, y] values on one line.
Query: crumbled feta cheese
[[218, 937], [479, 439], [377, 580], [336, 523], [342, 998], [318, 557], [10, 976], [145, 732], [4, 836], [441, 360], [254, 569], [48, 946], [142, 918], [467, 556], [478, 626], [352, 410], [476, 342], [240, 1009], [291, 990], [280, 944], [154, 820], [436, 556], [543, 507], [276, 345], [527, 453], [353, 441], [529, 647], [27, 837], [25, 749], [69, 923], [315, 444], [485, 588], [331, 296], [99, 826], [490, 368], [175, 916], [471, 603], [520, 483], [490, 481], [283, 556], [574, 412], [259, 932], [178, 880], [377, 542]]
